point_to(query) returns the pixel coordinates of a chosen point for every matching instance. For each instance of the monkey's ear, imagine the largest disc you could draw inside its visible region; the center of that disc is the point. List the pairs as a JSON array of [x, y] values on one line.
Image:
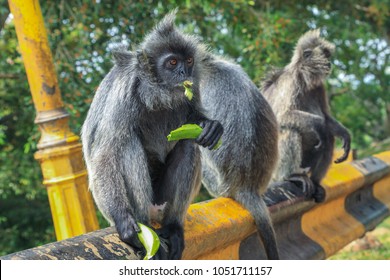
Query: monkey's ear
[[121, 55]]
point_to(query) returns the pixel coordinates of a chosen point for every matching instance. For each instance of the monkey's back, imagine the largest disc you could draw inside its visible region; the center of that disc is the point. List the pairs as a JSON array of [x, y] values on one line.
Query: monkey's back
[[249, 144]]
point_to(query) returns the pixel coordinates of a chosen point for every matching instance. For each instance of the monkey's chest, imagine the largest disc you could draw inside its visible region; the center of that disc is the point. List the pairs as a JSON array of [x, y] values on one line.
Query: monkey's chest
[[156, 129]]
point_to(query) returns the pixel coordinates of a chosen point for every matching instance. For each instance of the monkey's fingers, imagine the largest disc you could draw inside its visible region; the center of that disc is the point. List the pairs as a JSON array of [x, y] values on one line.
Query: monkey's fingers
[[318, 137], [319, 194], [205, 125], [318, 145], [216, 141], [342, 158], [128, 234], [304, 183], [207, 135], [347, 148], [172, 236], [163, 251], [212, 133]]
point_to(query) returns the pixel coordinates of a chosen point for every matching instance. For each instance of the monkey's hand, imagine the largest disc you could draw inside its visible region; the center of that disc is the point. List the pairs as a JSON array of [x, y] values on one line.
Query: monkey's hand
[[212, 132], [318, 139], [127, 231], [346, 147]]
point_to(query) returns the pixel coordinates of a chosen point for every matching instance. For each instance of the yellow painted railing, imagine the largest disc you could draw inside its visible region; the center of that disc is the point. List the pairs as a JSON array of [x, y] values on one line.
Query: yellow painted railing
[[357, 199]]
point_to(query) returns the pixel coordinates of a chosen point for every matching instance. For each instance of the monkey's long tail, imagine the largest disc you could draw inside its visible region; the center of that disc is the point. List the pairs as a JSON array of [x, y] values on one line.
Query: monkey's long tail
[[253, 202]]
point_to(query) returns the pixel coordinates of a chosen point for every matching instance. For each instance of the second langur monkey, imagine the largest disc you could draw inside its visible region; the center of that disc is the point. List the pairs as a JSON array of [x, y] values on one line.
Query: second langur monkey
[[307, 129]]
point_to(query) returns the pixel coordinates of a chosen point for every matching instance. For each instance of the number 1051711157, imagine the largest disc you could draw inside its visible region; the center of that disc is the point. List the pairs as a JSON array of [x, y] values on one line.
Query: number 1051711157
[[242, 270]]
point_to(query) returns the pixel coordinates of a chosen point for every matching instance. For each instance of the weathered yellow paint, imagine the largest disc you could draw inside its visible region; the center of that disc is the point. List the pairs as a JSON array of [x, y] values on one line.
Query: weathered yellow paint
[[216, 228], [381, 191], [59, 151], [37, 57], [384, 156], [343, 179], [218, 220], [331, 226]]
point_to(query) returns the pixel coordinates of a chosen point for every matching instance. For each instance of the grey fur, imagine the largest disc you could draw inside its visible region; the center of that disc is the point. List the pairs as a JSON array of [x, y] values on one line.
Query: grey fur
[[307, 130], [242, 167], [131, 165]]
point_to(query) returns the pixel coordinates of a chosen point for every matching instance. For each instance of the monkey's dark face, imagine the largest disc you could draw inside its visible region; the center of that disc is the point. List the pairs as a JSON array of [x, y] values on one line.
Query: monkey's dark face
[[312, 57], [318, 60], [175, 68], [315, 64]]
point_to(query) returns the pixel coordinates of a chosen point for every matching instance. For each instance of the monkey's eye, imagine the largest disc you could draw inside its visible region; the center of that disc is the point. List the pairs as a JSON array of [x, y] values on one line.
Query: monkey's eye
[[173, 62], [307, 53], [327, 53], [190, 60]]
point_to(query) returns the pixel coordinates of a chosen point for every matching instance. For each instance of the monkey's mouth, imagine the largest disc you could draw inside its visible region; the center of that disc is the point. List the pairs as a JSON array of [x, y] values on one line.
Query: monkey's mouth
[[180, 85], [327, 67]]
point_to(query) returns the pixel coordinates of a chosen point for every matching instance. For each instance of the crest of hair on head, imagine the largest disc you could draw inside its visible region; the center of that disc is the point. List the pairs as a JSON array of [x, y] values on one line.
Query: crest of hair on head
[[167, 37]]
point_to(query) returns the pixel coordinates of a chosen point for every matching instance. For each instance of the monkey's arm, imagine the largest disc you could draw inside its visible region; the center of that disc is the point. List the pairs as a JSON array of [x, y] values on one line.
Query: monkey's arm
[[122, 187], [301, 120], [340, 131], [304, 123]]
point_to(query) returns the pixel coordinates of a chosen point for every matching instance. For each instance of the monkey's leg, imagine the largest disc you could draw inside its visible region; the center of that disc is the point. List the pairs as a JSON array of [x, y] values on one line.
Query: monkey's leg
[[290, 151], [253, 202], [291, 159], [323, 161], [179, 185], [210, 177]]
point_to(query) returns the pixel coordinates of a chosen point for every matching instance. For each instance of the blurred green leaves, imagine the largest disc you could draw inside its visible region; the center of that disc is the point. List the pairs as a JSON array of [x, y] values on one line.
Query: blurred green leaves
[[257, 34]]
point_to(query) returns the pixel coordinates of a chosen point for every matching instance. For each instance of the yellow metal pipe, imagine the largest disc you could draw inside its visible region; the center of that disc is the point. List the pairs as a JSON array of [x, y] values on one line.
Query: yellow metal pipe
[[59, 150]]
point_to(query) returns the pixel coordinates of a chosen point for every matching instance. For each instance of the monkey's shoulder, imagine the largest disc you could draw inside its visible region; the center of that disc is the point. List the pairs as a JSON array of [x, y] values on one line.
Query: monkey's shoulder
[[271, 78]]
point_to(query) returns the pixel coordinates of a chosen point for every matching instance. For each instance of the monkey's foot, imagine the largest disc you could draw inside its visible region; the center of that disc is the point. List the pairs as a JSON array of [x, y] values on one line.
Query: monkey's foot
[[304, 183], [309, 188], [172, 237], [319, 194]]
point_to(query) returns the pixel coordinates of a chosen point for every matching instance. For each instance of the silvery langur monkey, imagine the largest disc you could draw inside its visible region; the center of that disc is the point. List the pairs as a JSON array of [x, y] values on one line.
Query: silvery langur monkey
[[307, 130], [242, 167], [131, 165]]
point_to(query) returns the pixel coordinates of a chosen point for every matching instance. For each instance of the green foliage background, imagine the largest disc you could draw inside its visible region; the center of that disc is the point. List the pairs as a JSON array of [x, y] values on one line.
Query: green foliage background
[[257, 34]]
